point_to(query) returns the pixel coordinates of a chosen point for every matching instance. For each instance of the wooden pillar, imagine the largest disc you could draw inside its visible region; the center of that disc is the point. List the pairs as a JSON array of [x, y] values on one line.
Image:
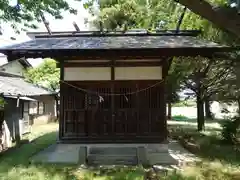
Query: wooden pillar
[[112, 97], [165, 68], [61, 112]]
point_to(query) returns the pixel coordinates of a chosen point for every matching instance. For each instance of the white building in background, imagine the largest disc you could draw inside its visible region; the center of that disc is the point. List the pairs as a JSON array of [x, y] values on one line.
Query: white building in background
[[4, 42], [3, 59]]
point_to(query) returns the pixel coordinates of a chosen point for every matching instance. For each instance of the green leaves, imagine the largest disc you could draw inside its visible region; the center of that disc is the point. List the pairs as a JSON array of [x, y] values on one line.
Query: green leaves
[[193, 73], [122, 14], [2, 103], [28, 11], [46, 75]]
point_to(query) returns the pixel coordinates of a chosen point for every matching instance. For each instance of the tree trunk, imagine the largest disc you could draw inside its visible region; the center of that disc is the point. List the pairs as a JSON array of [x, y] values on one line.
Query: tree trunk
[[200, 113], [225, 18], [238, 101], [208, 113], [169, 106]]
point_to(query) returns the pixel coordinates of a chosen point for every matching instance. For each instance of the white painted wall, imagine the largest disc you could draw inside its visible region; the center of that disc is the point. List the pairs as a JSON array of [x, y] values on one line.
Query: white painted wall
[[104, 73], [3, 59], [87, 73], [138, 73], [13, 67]]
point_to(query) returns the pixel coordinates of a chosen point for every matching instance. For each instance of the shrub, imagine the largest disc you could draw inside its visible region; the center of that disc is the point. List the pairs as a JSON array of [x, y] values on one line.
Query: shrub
[[230, 130]]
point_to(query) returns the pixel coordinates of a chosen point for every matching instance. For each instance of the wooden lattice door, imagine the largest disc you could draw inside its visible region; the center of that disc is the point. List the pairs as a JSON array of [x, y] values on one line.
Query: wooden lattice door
[[151, 109], [99, 111], [125, 109], [73, 111], [139, 111], [116, 111]]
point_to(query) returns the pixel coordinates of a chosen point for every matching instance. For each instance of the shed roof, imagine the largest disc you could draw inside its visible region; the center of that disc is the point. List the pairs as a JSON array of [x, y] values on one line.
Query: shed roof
[[61, 45], [109, 42], [17, 86]]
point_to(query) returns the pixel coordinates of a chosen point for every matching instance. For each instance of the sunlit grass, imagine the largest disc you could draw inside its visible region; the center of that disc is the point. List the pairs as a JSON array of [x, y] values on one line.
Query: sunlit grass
[[16, 165], [207, 170], [112, 173], [39, 130], [219, 162]]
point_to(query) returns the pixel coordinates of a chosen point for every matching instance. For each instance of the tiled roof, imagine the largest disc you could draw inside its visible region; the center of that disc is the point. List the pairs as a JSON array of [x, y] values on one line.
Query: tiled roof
[[112, 42], [15, 86]]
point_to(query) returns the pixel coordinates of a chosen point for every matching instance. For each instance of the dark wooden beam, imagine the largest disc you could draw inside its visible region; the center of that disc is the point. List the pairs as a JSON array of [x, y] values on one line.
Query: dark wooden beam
[[166, 66], [112, 86], [109, 64], [58, 64], [61, 115], [103, 83], [113, 70]]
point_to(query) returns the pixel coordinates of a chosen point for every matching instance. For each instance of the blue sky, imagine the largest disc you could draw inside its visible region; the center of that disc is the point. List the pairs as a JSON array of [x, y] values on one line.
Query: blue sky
[[56, 25]]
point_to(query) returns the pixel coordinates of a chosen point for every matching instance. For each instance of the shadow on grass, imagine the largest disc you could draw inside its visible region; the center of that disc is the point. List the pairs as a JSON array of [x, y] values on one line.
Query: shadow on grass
[[209, 145], [15, 164]]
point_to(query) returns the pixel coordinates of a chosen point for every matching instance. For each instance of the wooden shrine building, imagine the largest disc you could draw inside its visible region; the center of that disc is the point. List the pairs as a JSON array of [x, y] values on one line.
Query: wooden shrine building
[[112, 85]]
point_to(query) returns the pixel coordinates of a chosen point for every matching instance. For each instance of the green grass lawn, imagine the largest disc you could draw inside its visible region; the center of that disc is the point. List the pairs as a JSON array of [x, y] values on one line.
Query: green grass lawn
[[15, 164], [219, 162]]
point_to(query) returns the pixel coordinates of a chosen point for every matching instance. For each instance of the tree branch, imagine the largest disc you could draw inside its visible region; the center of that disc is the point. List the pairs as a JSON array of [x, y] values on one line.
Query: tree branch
[[225, 18], [190, 86]]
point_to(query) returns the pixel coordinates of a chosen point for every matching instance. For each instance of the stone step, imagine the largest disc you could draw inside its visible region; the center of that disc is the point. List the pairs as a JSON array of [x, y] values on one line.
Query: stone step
[[157, 148], [128, 151], [161, 158], [112, 159]]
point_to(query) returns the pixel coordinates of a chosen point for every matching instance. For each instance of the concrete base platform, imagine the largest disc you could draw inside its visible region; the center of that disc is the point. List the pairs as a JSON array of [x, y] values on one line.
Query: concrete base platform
[[146, 154], [61, 153]]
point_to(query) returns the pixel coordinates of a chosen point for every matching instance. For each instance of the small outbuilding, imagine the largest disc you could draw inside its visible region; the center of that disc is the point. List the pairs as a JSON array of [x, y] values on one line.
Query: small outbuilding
[[24, 104]]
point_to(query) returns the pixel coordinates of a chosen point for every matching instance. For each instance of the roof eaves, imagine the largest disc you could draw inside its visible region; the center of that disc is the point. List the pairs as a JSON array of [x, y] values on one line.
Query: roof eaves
[[9, 74], [134, 32], [15, 86]]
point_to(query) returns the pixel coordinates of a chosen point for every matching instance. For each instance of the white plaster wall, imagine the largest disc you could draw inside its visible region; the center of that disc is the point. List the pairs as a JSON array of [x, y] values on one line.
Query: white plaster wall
[[138, 73], [87, 73], [49, 110], [13, 67]]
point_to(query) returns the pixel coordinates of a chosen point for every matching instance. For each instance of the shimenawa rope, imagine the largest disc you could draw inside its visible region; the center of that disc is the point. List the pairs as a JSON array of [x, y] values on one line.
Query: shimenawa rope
[[111, 94]]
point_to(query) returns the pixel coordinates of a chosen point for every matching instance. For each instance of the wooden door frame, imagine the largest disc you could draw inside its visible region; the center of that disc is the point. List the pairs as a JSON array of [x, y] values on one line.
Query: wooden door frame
[[22, 114]]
